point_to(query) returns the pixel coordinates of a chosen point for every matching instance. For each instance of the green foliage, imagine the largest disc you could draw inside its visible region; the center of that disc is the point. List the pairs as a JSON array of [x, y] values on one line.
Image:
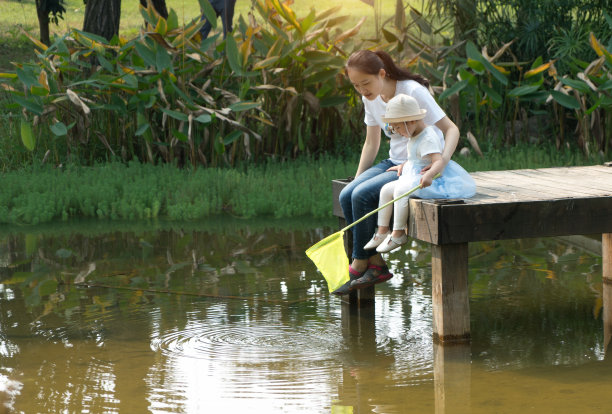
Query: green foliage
[[552, 29], [270, 89], [505, 91], [137, 191], [526, 156]]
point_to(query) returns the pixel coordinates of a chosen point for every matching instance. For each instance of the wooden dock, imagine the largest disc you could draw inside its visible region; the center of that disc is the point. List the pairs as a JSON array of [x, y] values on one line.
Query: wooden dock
[[508, 205]]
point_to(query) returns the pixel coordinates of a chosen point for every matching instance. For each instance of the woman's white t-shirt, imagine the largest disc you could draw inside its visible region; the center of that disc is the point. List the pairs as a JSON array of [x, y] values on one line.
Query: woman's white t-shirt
[[374, 110]]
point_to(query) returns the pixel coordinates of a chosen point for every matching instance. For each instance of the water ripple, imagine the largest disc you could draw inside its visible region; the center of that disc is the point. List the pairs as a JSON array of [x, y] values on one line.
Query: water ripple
[[259, 341]]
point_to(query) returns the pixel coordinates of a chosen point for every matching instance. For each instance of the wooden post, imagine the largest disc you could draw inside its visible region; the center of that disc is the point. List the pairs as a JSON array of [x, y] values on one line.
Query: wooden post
[[452, 378], [606, 254], [451, 311]]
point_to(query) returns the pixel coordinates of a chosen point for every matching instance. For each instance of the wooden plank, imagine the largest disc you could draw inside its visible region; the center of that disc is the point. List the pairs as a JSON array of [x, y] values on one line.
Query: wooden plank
[[499, 212], [506, 192], [590, 169], [423, 220], [550, 185], [574, 175], [520, 184], [451, 312], [587, 179], [522, 188], [466, 223]]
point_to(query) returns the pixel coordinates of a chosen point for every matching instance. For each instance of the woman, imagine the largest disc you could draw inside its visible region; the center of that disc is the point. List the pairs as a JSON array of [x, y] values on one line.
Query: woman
[[378, 79]]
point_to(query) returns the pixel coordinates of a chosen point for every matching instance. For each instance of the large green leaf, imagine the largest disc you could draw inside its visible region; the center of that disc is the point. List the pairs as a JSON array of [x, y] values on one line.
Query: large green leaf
[[209, 12], [243, 106], [492, 94], [173, 22], [146, 53], [321, 76], [565, 100], [204, 119], [457, 87], [577, 84], [208, 42], [606, 86], [233, 56], [27, 136], [59, 129], [476, 65], [232, 136], [473, 53], [322, 57], [162, 59], [176, 115], [27, 76], [30, 104], [105, 63], [523, 90]]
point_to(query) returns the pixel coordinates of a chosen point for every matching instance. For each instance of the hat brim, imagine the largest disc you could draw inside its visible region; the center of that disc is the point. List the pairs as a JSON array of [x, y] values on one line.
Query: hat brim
[[415, 117]]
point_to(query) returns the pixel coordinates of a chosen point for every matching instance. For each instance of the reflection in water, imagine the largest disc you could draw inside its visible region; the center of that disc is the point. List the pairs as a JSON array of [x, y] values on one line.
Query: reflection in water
[[234, 316]]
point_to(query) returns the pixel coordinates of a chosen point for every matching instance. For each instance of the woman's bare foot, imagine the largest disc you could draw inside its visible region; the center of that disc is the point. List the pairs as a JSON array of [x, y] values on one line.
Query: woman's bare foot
[[360, 265], [377, 260]]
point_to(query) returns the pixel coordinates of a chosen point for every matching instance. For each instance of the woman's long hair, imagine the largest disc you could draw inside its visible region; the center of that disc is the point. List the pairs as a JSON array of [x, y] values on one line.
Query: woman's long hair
[[369, 62]]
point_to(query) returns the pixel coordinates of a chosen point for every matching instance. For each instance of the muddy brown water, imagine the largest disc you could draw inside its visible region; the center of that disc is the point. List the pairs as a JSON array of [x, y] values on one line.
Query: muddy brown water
[[231, 316]]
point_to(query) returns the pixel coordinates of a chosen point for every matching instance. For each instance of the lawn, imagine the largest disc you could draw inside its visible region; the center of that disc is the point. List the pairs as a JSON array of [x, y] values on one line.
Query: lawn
[[22, 14]]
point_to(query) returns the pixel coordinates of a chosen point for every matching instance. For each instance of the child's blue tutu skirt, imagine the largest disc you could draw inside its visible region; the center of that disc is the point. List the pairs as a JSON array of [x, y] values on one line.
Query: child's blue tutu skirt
[[455, 182]]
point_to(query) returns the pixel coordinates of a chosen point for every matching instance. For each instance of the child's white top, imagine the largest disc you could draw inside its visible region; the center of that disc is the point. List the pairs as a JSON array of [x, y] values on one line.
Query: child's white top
[[423, 144], [374, 110]]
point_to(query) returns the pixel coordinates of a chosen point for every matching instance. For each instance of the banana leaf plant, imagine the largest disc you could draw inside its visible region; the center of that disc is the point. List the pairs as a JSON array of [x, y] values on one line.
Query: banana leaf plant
[[274, 87]]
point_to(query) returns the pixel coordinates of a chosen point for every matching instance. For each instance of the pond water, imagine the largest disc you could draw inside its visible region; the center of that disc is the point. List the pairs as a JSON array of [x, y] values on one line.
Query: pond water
[[231, 316]]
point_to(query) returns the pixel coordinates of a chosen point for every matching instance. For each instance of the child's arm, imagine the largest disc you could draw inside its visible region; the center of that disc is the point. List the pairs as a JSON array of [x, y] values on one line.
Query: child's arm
[[437, 166]]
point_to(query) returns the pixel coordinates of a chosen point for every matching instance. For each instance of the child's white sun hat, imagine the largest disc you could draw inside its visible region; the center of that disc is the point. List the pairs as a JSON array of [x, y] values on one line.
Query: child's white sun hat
[[403, 108]]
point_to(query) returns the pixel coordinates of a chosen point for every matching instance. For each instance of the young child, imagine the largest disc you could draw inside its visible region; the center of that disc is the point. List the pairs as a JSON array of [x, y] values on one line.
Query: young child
[[404, 117]]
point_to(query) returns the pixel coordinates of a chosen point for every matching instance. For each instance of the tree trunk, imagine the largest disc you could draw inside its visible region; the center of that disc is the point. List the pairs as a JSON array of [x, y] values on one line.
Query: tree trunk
[[102, 17], [158, 5], [43, 23]]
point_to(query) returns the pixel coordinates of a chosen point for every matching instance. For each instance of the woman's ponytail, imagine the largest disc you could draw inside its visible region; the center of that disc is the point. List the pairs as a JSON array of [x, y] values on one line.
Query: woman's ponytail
[[396, 73], [370, 62]]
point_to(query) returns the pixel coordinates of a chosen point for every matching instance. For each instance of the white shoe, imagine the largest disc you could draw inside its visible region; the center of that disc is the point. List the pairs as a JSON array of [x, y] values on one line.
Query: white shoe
[[375, 241], [391, 243]]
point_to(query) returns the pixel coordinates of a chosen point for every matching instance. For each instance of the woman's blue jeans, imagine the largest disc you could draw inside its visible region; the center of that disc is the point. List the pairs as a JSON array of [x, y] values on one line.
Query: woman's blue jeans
[[360, 197]]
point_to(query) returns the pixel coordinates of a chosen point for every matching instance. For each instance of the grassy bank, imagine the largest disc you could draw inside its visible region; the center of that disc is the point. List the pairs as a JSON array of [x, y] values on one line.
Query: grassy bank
[[116, 191]]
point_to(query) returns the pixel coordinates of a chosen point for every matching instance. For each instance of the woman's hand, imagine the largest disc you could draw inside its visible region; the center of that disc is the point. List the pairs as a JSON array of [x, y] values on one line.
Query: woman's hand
[[426, 168], [397, 168]]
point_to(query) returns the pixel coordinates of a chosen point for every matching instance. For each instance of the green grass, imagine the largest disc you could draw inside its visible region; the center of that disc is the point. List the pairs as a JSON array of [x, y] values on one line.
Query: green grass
[[14, 47], [116, 191], [527, 156]]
